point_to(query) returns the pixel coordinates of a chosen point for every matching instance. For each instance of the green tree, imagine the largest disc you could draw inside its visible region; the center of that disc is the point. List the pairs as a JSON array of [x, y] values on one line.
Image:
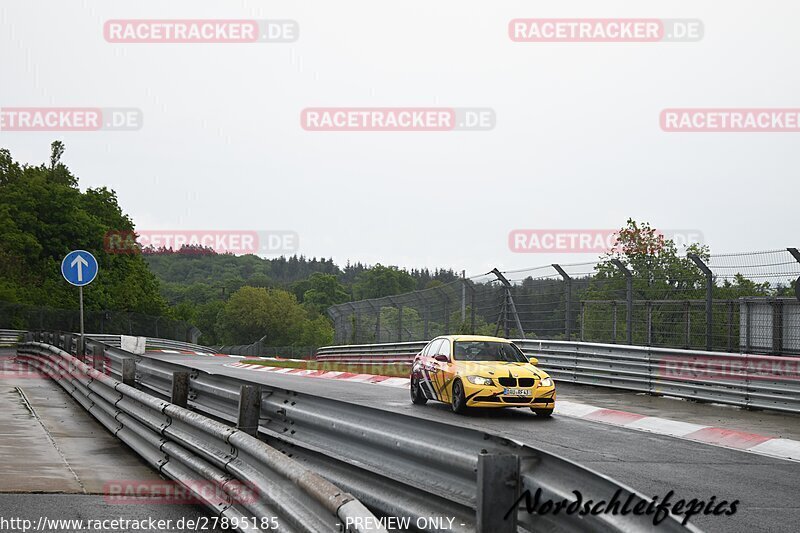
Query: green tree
[[43, 215], [253, 313], [323, 291], [381, 281]]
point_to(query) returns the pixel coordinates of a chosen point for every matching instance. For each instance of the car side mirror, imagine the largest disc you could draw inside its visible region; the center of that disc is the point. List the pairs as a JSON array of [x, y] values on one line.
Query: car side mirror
[[533, 360], [442, 358]]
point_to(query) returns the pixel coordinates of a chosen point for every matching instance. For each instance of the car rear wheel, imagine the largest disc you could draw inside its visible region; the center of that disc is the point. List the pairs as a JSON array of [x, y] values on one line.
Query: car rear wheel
[[417, 397], [459, 404], [544, 413]]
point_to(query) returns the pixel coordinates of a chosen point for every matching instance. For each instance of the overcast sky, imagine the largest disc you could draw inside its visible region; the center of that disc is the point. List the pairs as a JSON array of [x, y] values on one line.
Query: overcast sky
[[577, 142]]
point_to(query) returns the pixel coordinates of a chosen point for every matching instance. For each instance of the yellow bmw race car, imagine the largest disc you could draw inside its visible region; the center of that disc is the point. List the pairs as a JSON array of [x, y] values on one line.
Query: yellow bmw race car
[[473, 371]]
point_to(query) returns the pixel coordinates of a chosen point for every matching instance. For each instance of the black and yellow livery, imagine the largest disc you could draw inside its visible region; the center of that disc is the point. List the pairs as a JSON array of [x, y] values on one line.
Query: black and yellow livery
[[476, 371]]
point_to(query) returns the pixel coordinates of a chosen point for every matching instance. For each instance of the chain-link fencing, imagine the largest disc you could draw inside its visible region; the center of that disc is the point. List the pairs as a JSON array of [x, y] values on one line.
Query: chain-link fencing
[[28, 317], [726, 302]]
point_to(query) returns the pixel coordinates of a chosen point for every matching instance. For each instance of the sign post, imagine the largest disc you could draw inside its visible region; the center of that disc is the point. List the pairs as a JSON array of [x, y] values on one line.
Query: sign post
[[79, 268]]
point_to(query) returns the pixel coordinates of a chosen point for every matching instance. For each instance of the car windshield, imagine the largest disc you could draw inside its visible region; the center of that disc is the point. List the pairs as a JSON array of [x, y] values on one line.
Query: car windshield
[[488, 351]]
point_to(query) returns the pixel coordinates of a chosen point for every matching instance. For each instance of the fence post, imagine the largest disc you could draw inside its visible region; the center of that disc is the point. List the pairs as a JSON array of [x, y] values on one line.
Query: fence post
[[567, 301], [614, 322], [583, 320], [356, 325], [249, 409], [709, 298], [399, 323], [463, 296], [649, 323], [777, 326], [730, 325], [748, 326], [628, 297], [498, 488], [509, 303], [378, 325], [446, 312], [472, 311], [687, 311], [180, 389]]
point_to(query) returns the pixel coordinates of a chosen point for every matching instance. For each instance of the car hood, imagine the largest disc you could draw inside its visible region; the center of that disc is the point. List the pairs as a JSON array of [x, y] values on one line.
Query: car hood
[[500, 369]]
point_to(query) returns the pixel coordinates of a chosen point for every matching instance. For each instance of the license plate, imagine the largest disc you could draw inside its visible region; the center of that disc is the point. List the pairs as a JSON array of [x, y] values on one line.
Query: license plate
[[517, 392]]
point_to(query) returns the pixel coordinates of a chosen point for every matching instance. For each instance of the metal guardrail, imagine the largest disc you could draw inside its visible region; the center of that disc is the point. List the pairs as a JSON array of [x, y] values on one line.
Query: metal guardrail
[[10, 337], [397, 465], [251, 478], [397, 352], [744, 380]]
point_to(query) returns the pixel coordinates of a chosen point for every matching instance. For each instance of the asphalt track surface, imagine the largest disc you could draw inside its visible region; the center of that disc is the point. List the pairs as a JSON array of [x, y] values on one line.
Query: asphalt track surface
[[768, 489]]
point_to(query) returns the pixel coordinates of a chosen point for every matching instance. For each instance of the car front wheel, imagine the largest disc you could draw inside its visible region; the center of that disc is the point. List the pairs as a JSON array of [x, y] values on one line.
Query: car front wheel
[[459, 403], [417, 397]]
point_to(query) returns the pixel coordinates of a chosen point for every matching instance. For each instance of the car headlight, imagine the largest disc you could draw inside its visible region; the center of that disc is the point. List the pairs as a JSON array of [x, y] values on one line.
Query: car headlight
[[546, 382], [478, 380]]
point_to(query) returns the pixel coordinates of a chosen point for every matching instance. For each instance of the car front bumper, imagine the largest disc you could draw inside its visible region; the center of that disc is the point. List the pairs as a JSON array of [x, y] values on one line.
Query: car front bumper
[[492, 396]]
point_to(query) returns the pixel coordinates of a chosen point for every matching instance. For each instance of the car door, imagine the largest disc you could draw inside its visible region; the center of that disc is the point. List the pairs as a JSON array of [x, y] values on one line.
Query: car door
[[446, 370], [429, 368]]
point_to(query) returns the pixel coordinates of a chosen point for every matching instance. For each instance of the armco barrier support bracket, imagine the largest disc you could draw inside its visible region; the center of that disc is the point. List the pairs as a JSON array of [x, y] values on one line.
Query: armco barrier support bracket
[[129, 371], [249, 409], [180, 389], [498, 489], [97, 357]]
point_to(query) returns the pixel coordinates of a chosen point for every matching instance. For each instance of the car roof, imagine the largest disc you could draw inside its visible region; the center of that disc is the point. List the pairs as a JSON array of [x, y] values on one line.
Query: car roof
[[474, 338]]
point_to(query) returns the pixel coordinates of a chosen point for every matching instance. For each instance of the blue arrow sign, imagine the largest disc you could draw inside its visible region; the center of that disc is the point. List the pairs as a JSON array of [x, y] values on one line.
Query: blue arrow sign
[[79, 268]]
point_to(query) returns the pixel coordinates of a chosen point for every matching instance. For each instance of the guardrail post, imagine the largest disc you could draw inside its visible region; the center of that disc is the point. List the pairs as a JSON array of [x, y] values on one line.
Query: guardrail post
[[567, 301], [628, 297], [180, 389], [498, 489], [129, 371], [709, 298], [97, 358], [249, 409]]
